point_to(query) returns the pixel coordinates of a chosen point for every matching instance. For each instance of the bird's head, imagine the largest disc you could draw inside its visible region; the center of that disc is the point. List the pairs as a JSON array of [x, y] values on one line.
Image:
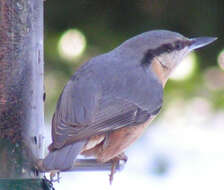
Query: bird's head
[[163, 50]]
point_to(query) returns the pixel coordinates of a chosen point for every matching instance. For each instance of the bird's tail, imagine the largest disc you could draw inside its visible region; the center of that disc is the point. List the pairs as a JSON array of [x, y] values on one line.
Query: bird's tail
[[63, 158]]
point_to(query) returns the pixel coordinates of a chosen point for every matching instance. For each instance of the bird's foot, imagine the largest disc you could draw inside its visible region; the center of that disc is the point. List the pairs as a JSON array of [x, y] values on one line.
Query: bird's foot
[[116, 163], [53, 173]]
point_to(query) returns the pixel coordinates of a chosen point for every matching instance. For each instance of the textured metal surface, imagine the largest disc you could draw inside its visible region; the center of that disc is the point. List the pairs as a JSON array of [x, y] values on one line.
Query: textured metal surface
[[82, 165], [21, 86]]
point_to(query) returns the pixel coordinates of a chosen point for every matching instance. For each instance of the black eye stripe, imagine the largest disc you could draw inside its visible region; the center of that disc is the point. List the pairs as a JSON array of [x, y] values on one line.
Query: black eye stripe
[[147, 58], [178, 46], [169, 47]]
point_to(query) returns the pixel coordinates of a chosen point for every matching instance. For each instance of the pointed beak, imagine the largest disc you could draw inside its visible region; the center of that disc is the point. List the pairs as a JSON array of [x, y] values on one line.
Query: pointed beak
[[201, 42]]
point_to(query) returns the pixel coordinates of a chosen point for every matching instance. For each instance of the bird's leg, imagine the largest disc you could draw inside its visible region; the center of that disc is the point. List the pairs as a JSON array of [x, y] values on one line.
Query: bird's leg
[[52, 175], [115, 163], [41, 168]]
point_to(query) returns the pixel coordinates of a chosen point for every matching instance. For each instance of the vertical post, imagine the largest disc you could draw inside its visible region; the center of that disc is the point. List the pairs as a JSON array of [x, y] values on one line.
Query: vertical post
[[21, 93]]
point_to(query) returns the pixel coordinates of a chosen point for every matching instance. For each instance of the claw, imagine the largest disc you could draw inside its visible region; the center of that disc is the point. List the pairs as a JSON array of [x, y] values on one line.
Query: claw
[[53, 173], [116, 164]]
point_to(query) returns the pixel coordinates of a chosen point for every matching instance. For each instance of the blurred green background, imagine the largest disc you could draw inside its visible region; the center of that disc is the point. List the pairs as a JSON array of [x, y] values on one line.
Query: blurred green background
[[105, 24]]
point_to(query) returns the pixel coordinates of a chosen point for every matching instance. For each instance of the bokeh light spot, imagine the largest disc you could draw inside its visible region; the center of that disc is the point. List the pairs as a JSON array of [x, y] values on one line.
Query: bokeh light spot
[[221, 59], [185, 69], [214, 78], [71, 44]]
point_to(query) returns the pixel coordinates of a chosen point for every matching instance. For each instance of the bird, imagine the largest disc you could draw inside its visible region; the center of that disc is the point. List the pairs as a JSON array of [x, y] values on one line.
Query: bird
[[112, 98]]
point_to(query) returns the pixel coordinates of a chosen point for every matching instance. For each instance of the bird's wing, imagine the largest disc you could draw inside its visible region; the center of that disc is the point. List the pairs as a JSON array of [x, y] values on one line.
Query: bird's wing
[[86, 109], [76, 108], [115, 114]]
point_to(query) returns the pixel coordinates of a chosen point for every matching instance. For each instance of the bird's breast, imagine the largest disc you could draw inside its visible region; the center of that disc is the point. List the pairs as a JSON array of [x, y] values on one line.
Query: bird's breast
[[159, 71]]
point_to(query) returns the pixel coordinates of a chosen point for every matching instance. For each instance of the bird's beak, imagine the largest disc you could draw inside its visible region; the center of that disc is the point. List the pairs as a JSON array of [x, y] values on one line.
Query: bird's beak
[[200, 42]]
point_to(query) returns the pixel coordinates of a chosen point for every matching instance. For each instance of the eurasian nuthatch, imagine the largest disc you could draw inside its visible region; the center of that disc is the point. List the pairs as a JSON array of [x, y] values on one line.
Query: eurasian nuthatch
[[112, 98]]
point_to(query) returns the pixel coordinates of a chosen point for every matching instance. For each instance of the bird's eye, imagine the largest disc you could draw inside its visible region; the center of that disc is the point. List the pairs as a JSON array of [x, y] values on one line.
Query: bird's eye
[[178, 46]]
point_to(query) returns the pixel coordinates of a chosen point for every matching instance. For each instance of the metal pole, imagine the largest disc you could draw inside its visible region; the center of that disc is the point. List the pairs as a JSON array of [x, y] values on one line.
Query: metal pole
[[87, 165], [94, 165], [21, 93]]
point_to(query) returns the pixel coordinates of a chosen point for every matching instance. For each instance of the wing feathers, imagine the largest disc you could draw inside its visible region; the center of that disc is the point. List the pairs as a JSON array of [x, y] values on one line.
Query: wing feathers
[[94, 104]]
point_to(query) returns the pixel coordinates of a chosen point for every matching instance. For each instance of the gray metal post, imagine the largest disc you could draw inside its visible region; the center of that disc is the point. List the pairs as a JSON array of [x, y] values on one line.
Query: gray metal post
[[21, 93]]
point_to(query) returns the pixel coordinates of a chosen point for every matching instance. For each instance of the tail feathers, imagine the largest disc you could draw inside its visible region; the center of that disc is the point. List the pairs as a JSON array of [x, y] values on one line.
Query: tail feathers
[[63, 158]]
